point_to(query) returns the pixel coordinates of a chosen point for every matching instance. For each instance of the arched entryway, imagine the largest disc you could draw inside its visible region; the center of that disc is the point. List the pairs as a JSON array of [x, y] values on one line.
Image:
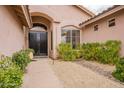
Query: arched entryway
[[47, 29], [38, 39], [40, 34]]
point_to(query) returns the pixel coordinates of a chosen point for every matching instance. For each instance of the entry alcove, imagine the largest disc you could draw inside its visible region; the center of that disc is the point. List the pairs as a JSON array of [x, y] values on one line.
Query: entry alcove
[[38, 39]]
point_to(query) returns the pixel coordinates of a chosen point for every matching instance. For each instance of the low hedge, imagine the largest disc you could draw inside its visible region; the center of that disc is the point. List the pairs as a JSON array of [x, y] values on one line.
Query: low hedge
[[67, 53], [10, 74], [119, 72], [21, 58], [29, 50], [12, 69], [89, 50], [107, 53]]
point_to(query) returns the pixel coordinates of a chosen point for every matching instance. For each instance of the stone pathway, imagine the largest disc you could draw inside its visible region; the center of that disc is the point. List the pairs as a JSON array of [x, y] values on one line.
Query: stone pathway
[[40, 75], [44, 74]]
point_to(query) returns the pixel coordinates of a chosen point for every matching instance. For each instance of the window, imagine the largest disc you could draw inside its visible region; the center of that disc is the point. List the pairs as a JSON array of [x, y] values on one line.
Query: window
[[111, 22], [96, 28], [71, 36]]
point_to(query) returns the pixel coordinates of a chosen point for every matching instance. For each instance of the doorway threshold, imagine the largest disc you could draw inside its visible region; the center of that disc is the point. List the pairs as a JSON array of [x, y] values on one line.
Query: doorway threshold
[[40, 57]]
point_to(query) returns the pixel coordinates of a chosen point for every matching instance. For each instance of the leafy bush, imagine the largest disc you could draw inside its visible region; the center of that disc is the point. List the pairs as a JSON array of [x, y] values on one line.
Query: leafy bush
[[89, 51], [110, 52], [77, 53], [107, 53], [119, 72], [10, 74], [11, 69], [21, 59], [30, 53], [67, 53], [29, 50]]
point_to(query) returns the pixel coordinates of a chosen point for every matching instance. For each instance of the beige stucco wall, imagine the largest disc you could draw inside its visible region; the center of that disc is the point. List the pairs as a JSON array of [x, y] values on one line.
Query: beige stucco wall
[[66, 14], [11, 32], [106, 33]]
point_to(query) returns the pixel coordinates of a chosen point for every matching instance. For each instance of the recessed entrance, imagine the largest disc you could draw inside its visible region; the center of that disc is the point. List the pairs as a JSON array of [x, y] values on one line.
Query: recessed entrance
[[39, 37], [38, 40]]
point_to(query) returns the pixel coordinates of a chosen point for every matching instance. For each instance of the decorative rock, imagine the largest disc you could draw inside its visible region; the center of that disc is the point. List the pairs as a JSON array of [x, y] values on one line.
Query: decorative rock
[[31, 55]]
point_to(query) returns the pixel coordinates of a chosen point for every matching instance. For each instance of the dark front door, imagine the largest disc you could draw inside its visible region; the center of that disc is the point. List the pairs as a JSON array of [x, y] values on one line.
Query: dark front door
[[38, 42]]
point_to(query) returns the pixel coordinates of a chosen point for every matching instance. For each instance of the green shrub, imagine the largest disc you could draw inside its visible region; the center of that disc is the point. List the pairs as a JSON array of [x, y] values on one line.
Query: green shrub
[[89, 51], [67, 53], [110, 52], [119, 72], [21, 59], [107, 53], [10, 74], [29, 50], [77, 53]]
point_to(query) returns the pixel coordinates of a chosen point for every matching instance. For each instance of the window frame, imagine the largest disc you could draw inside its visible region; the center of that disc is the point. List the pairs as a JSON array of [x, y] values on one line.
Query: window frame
[[71, 35], [97, 27], [108, 22]]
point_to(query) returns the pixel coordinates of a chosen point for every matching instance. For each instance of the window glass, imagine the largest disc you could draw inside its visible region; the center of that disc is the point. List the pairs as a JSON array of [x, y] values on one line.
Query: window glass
[[68, 33], [111, 22], [71, 36], [96, 28], [75, 33], [68, 39]]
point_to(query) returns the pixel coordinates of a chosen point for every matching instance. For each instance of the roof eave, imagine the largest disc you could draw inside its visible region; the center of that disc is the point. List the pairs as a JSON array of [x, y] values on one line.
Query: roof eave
[[24, 16], [85, 10], [96, 18], [27, 15]]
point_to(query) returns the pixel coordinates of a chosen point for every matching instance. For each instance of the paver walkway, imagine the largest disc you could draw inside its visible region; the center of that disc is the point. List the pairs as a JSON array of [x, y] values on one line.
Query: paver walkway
[[43, 73], [40, 75]]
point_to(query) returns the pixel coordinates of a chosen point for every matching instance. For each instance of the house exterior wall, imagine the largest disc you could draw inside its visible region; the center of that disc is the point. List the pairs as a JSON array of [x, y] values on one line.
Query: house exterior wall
[[66, 14], [104, 32], [62, 15], [11, 32]]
